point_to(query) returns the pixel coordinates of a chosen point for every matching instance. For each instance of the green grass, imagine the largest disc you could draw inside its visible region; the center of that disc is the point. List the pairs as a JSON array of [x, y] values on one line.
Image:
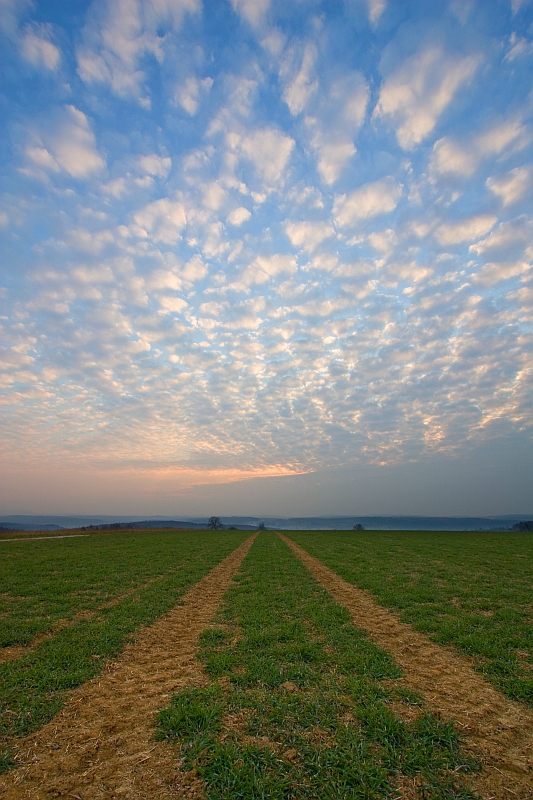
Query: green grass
[[32, 688], [301, 704], [470, 590], [46, 581]]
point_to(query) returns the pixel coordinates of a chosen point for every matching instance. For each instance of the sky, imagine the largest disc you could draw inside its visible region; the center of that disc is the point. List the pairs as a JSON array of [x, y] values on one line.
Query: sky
[[265, 257]]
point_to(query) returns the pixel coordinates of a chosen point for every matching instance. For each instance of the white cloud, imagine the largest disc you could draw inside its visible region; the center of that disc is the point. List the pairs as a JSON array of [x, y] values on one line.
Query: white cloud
[[518, 47], [451, 157], [71, 147], [494, 272], [194, 270], [269, 150], [263, 268], [340, 114], [300, 83], [514, 235], [513, 186], [238, 216], [116, 42], [189, 94], [253, 11], [163, 220], [36, 46], [417, 93], [308, 235], [465, 230], [375, 10], [379, 197], [170, 303], [155, 165]]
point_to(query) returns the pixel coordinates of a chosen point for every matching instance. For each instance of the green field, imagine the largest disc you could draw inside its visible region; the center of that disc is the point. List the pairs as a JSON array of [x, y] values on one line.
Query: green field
[[45, 581], [470, 590], [301, 704]]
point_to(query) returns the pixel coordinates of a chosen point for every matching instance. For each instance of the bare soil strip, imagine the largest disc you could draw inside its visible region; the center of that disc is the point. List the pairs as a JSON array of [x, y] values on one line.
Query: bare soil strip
[[101, 745], [498, 731], [12, 652]]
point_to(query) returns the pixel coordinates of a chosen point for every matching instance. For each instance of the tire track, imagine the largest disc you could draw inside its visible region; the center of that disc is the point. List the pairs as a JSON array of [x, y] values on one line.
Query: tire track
[[498, 731], [101, 744]]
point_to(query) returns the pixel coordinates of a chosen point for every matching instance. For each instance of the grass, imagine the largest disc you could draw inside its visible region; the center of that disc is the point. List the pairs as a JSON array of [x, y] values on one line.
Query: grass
[[47, 581], [469, 590], [300, 703], [33, 688]]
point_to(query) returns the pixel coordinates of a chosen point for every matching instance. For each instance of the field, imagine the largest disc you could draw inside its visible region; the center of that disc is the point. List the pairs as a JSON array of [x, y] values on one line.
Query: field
[[245, 677], [104, 586], [473, 591]]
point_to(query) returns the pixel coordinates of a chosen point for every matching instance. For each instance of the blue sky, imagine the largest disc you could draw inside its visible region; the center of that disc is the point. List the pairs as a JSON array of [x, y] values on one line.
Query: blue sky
[[266, 257]]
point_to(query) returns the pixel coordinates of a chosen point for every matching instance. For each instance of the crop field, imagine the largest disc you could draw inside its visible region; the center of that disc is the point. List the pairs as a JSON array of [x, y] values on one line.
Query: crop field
[[473, 591], [104, 586], [231, 666], [301, 704]]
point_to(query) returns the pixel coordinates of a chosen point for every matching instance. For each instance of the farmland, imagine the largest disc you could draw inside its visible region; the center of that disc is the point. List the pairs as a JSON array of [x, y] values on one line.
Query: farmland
[[472, 591], [44, 582], [232, 667]]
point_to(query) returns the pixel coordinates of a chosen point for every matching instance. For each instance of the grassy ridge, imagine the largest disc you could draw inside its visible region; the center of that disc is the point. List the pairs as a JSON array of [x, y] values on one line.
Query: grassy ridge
[[469, 590], [301, 703], [32, 689]]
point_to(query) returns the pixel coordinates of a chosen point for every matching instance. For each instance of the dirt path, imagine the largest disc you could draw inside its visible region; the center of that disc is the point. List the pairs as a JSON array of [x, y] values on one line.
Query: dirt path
[[101, 745], [498, 731]]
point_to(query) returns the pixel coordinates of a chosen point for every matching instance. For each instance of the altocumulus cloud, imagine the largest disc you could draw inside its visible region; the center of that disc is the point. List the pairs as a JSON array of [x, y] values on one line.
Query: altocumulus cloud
[[254, 238]]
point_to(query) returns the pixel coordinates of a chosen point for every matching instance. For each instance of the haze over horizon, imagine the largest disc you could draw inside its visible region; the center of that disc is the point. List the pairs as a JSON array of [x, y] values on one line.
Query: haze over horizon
[[262, 257]]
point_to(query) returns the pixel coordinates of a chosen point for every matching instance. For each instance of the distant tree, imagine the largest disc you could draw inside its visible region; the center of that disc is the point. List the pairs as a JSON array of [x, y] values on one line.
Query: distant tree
[[525, 525], [215, 524], [358, 527], [261, 526]]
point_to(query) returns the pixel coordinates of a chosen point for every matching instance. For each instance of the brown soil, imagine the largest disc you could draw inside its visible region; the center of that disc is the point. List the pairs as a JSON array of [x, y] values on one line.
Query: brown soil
[[12, 652], [498, 731], [102, 744]]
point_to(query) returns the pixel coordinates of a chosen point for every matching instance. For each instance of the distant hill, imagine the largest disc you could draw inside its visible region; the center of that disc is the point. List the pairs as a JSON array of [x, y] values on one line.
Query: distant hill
[[107, 522]]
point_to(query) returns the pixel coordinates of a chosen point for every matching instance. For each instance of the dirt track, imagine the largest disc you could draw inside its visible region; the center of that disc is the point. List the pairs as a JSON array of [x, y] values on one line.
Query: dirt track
[[101, 745], [498, 731]]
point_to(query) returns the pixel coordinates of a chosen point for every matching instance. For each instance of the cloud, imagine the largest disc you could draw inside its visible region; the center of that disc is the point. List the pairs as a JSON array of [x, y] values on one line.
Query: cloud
[[511, 237], [462, 159], [513, 186], [375, 10], [269, 151], [163, 219], [170, 303], [308, 235], [465, 230], [300, 83], [379, 197], [415, 95], [189, 94], [153, 164], [238, 216], [264, 268], [38, 48], [253, 11], [494, 272], [519, 47], [338, 118], [117, 36], [69, 146]]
